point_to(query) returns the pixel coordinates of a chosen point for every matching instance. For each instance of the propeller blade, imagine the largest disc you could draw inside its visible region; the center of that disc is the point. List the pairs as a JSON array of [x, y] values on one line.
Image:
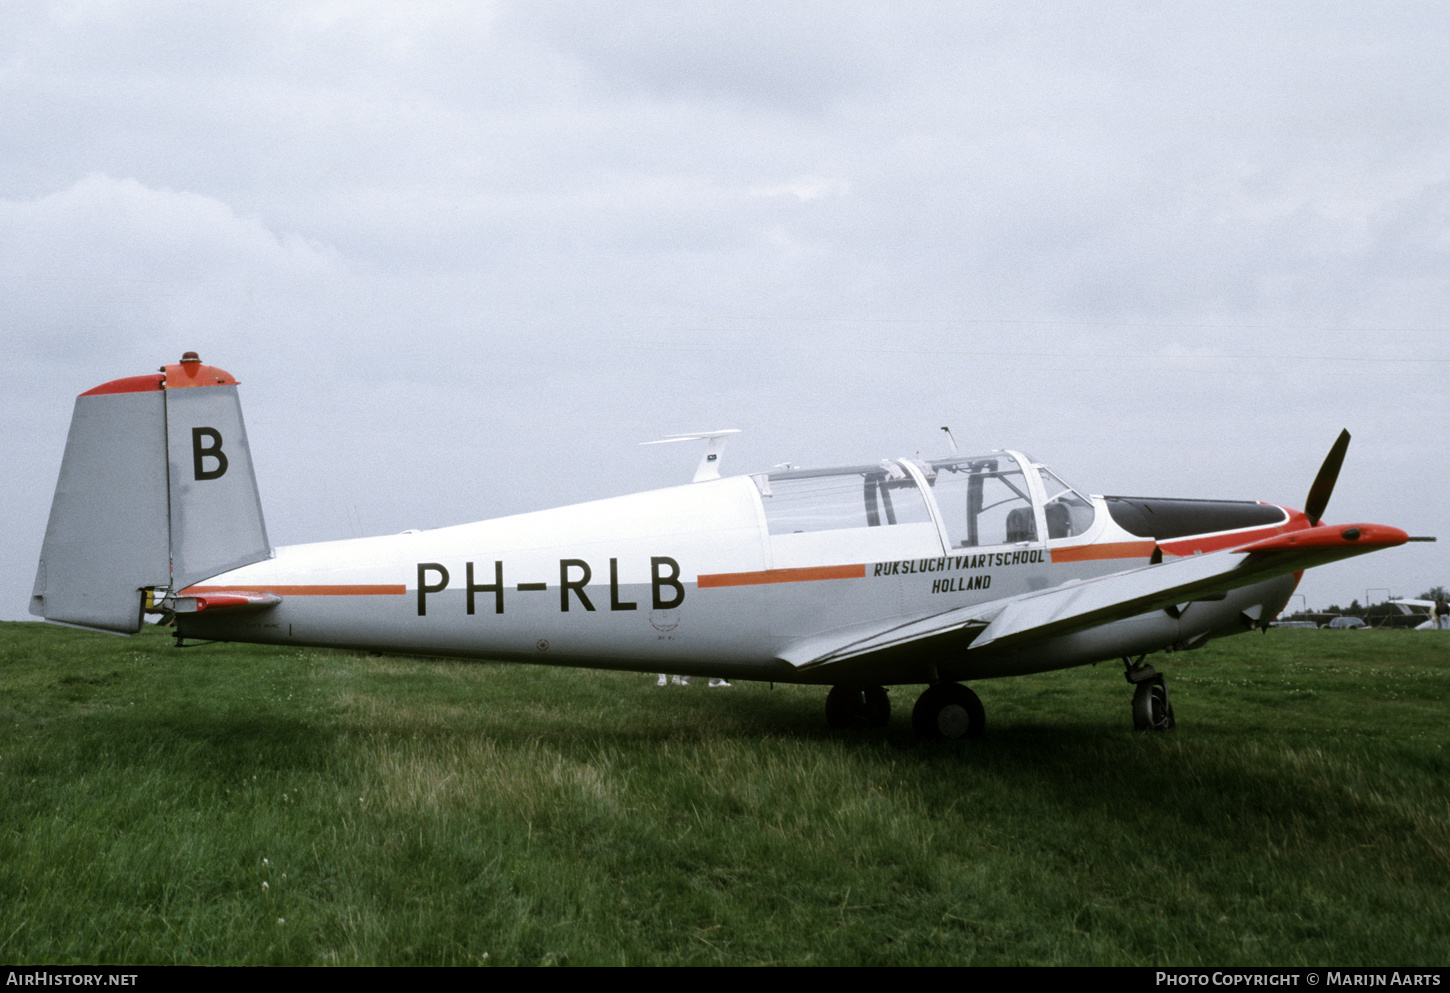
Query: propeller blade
[[1318, 497]]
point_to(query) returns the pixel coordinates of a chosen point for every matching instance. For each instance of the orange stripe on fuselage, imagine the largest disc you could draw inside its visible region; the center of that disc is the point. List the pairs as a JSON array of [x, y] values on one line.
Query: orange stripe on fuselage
[[1108, 550], [806, 575], [357, 589]]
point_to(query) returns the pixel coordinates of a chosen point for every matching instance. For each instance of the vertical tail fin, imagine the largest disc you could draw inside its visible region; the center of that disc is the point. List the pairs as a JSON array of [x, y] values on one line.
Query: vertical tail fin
[[156, 491]]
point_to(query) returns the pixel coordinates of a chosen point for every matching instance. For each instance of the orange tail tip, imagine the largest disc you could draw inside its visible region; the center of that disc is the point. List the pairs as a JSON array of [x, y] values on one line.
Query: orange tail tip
[[188, 372]]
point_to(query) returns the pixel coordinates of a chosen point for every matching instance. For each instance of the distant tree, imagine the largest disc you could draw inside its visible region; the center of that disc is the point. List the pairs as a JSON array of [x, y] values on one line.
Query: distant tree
[[1354, 607], [1433, 593]]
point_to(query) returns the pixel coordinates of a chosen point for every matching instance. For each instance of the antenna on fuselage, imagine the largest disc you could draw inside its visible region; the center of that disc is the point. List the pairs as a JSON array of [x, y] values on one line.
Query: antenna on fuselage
[[709, 467]]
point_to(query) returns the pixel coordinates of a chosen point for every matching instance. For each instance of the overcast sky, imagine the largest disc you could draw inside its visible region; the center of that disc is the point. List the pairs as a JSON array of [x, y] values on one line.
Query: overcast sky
[[463, 257]]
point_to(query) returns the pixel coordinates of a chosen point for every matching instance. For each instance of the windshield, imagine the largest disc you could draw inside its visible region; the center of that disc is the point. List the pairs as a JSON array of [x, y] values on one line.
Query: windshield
[[984, 500], [1068, 512]]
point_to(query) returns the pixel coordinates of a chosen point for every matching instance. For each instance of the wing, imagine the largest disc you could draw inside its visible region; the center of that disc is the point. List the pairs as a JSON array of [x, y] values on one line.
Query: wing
[[1083, 604]]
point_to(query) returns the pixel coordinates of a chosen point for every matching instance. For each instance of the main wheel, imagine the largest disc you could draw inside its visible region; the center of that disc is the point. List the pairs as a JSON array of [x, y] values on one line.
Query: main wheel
[[857, 707], [1151, 709], [948, 711]]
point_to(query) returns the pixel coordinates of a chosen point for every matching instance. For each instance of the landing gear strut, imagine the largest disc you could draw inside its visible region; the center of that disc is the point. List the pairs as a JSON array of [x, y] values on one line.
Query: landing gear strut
[[948, 711], [1151, 709], [857, 707]]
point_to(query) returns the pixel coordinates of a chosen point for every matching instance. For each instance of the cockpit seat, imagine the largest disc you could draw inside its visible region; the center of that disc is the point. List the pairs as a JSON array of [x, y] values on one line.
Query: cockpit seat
[[1059, 520], [1019, 525]]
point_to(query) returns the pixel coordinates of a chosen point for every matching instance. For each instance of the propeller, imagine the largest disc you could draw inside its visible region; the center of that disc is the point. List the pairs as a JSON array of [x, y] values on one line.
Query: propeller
[[1318, 497]]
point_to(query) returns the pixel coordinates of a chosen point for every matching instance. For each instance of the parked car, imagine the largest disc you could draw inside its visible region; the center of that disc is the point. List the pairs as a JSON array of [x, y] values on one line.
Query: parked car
[[1346, 623]]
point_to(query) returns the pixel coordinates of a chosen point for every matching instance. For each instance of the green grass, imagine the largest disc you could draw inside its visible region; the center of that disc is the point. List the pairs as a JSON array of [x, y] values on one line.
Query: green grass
[[415, 811]]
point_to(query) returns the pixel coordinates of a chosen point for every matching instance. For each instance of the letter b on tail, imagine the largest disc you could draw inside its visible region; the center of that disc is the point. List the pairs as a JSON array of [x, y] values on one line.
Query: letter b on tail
[[207, 443]]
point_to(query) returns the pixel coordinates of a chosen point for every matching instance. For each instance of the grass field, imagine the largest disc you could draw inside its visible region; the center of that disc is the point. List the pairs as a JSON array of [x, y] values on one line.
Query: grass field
[[238, 804]]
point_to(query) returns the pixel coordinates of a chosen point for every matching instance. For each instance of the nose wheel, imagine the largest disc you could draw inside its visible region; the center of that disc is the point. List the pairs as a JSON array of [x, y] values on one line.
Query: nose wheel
[[948, 711], [1151, 709]]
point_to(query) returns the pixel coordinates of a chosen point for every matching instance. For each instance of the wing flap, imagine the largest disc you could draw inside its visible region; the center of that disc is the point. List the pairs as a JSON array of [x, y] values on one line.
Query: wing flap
[[864, 639]]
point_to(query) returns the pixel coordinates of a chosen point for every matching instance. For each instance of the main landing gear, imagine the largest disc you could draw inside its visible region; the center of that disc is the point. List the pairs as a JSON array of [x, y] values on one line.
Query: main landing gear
[[857, 707], [949, 711], [1151, 709], [946, 711]]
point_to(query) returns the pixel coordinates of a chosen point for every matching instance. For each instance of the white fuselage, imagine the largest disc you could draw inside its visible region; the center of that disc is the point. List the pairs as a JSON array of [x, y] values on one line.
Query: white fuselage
[[689, 579]]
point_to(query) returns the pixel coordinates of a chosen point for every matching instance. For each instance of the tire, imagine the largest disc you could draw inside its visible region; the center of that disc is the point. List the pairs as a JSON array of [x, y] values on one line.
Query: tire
[[857, 707], [1151, 709], [878, 707], [948, 712]]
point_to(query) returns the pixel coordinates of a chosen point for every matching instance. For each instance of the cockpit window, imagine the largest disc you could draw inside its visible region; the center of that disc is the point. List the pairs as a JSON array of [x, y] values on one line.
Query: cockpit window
[[983, 500], [829, 499], [1068, 513]]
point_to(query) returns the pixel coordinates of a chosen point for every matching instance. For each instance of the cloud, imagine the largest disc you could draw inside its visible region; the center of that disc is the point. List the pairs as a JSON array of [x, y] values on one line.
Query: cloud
[[108, 267], [798, 59], [1114, 233]]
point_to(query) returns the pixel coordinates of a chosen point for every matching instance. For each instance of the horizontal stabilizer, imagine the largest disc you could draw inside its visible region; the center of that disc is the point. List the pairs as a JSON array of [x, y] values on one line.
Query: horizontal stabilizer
[[225, 600]]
